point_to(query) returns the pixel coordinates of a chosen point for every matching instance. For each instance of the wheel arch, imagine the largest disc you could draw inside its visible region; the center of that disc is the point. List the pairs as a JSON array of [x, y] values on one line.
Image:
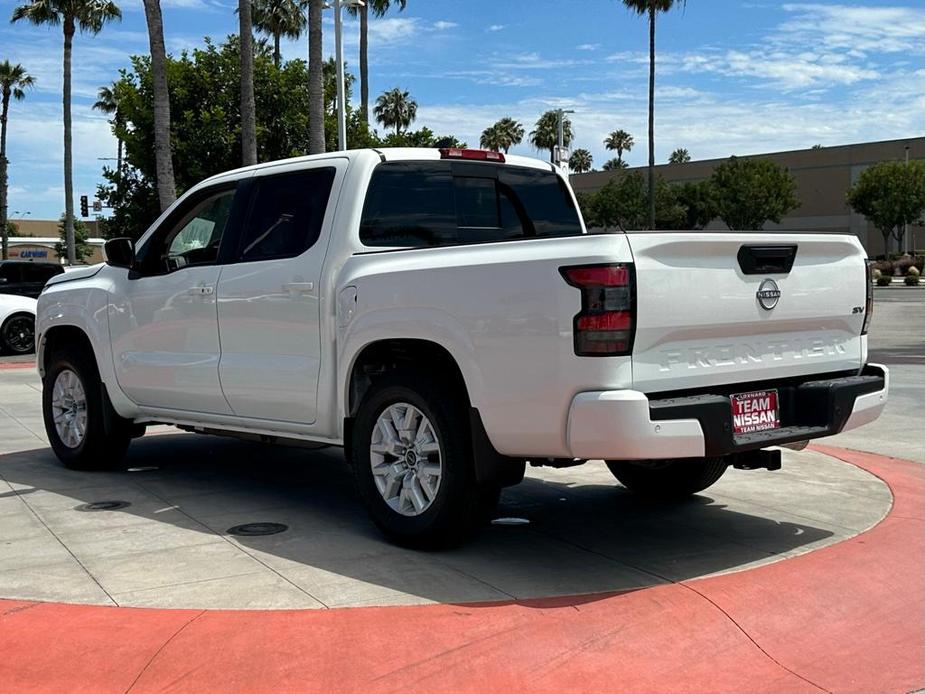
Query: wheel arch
[[384, 356]]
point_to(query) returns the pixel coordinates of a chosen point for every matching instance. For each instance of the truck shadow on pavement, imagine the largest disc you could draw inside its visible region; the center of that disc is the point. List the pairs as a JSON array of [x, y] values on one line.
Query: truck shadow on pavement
[[586, 533]]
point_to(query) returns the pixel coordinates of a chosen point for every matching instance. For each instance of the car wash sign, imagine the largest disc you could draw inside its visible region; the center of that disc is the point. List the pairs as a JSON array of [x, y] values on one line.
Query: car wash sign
[[26, 253]]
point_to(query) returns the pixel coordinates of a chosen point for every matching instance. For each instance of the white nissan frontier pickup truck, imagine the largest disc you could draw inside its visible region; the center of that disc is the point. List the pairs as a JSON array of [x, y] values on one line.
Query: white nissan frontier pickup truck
[[446, 318]]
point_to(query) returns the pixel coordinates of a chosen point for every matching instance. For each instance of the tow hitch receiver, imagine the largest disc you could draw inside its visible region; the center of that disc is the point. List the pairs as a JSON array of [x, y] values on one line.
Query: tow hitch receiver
[[757, 460]]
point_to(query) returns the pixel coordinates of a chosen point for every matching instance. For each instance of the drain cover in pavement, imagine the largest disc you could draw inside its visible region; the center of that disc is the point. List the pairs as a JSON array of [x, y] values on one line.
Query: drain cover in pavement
[[254, 529], [103, 506]]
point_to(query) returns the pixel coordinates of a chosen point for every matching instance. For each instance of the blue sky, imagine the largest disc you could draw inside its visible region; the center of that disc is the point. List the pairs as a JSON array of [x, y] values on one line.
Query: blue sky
[[733, 77]]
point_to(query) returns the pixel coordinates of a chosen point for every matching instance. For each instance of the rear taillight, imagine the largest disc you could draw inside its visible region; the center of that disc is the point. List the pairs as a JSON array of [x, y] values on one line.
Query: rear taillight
[[869, 302], [606, 324]]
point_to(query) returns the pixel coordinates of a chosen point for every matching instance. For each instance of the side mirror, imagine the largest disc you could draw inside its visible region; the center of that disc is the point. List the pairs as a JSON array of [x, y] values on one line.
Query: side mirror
[[119, 252]]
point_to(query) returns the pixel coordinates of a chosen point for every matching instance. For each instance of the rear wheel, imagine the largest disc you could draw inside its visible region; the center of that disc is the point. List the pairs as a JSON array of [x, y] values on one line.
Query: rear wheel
[[83, 428], [17, 335], [411, 455], [668, 480]]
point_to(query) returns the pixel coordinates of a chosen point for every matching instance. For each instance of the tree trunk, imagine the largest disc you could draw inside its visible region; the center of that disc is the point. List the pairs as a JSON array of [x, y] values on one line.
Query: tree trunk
[[68, 153], [3, 174], [364, 62], [315, 80], [652, 13], [277, 57], [163, 157], [248, 107]]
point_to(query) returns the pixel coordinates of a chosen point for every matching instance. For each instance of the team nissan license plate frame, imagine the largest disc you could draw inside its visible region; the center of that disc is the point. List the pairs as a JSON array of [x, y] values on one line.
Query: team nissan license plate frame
[[758, 410]]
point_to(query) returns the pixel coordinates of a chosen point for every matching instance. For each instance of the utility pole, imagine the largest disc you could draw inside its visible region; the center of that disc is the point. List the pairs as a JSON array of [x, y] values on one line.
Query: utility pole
[[339, 65], [905, 228]]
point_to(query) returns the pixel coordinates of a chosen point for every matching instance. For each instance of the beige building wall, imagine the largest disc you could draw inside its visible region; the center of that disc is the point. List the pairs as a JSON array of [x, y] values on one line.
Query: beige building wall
[[823, 177], [45, 234]]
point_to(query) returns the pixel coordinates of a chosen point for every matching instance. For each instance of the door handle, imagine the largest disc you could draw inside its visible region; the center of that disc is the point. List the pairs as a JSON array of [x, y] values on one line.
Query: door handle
[[298, 287], [202, 291]]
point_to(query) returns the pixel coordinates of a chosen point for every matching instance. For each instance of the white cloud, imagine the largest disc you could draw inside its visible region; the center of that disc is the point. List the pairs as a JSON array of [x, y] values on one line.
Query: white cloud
[[442, 25], [496, 27], [857, 28], [587, 47]]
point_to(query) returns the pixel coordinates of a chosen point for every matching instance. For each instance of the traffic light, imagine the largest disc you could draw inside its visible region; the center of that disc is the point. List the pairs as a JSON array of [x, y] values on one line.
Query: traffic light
[[84, 207]]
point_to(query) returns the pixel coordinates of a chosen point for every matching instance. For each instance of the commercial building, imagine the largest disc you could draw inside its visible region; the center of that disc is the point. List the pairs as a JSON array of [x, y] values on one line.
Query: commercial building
[[823, 176], [37, 239]]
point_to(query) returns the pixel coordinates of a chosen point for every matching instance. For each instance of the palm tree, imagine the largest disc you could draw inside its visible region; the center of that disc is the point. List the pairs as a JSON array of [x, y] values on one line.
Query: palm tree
[[503, 135], [679, 156], [163, 154], [279, 18], [248, 105], [395, 109], [14, 80], [492, 138], [614, 164], [379, 8], [545, 135], [315, 79], [88, 16], [619, 141], [107, 102], [580, 161], [651, 8]]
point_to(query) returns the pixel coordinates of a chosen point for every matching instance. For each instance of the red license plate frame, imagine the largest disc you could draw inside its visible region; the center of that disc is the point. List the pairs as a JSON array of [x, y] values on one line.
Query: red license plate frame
[[757, 410]]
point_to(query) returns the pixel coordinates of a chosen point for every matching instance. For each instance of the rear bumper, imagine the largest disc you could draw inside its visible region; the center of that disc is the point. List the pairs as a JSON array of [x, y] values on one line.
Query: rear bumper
[[627, 425]]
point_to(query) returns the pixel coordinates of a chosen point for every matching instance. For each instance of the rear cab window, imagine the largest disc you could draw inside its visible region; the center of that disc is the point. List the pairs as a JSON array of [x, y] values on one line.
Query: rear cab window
[[443, 203]]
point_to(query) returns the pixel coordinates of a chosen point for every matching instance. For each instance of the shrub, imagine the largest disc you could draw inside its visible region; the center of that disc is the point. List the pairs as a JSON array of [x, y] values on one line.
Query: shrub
[[912, 277], [904, 263], [885, 267], [884, 281]]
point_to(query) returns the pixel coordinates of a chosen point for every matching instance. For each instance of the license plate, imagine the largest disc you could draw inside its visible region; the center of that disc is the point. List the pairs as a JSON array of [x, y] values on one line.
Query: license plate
[[755, 411]]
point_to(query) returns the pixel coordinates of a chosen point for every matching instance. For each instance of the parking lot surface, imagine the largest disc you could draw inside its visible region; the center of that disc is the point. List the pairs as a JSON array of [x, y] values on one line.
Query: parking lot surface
[[807, 578]]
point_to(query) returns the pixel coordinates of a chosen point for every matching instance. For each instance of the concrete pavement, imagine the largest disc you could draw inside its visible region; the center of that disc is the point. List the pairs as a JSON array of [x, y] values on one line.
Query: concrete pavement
[[170, 547]]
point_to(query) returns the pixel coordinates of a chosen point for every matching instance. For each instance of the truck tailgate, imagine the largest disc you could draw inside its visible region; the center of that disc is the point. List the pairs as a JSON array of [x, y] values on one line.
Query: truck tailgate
[[700, 321]]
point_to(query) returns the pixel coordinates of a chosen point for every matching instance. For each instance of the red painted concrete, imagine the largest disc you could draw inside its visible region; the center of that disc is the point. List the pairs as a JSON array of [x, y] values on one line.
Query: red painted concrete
[[17, 365], [849, 617]]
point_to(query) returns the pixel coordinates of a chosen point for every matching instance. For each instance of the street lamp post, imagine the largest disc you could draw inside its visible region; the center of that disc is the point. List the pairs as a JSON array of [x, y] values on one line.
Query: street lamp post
[[560, 125], [339, 67]]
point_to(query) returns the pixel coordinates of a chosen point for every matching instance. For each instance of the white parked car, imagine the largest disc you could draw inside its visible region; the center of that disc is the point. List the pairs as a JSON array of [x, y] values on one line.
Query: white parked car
[[17, 324], [445, 317]]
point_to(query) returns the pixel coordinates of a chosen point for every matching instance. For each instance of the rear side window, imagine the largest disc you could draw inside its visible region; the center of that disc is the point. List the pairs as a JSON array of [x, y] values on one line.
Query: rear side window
[[439, 204], [10, 272], [409, 204], [39, 273], [286, 214]]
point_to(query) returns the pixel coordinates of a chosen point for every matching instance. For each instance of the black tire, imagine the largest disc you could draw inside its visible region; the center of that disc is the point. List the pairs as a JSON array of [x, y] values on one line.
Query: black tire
[[17, 334], [106, 435], [460, 503], [668, 480]]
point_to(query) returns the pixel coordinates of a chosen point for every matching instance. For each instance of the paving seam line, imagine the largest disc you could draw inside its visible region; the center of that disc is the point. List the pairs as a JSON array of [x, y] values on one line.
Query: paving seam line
[[60, 541], [749, 637], [162, 647], [237, 546], [683, 584]]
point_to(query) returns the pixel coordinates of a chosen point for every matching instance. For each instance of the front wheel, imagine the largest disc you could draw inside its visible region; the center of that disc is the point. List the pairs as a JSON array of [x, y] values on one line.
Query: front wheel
[[411, 455], [83, 429], [668, 480], [17, 335]]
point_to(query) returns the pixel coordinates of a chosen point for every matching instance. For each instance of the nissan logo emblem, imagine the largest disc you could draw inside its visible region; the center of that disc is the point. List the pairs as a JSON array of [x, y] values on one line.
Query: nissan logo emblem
[[768, 294]]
